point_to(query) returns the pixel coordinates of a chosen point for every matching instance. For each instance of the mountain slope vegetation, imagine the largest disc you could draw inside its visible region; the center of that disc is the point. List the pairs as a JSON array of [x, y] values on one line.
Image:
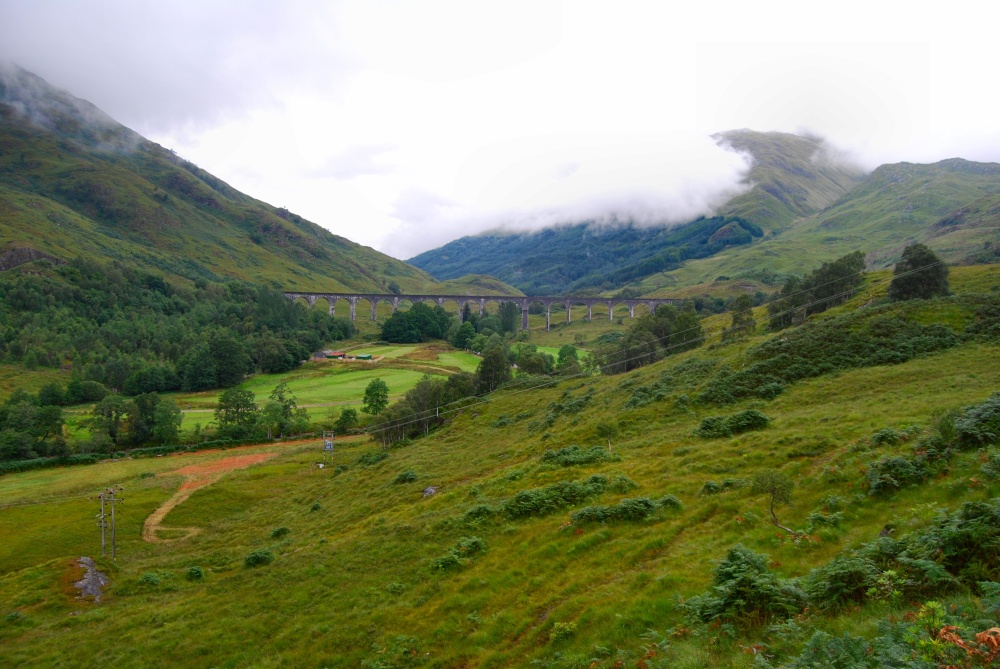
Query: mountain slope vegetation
[[809, 208], [791, 176], [600, 521], [74, 182]]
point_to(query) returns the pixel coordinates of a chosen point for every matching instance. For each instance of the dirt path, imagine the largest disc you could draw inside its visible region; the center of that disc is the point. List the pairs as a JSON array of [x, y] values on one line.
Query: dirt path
[[195, 476], [199, 476]]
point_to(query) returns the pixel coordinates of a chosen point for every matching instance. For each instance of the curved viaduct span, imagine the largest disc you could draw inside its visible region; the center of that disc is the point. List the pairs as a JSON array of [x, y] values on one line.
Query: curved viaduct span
[[479, 301]]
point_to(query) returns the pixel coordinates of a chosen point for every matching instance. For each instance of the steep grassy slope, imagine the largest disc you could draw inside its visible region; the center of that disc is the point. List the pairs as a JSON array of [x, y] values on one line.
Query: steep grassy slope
[[791, 177], [73, 181], [949, 205], [371, 573]]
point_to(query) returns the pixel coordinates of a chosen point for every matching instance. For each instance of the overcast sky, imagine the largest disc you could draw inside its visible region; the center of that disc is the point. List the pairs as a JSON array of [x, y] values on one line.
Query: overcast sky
[[404, 125]]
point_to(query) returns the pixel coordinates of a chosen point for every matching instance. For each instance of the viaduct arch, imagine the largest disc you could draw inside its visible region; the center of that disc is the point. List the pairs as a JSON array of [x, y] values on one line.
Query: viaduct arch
[[479, 302]]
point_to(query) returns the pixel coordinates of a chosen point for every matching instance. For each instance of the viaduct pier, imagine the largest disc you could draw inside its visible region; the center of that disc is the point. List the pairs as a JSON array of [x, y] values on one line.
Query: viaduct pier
[[479, 302]]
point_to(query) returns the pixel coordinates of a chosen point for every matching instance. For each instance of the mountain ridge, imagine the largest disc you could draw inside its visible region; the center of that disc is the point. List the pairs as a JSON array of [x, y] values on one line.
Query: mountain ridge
[[74, 181], [809, 210]]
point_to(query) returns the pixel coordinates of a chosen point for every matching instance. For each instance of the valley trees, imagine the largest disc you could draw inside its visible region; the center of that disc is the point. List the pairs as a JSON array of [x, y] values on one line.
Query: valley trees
[[831, 284], [918, 274], [666, 331]]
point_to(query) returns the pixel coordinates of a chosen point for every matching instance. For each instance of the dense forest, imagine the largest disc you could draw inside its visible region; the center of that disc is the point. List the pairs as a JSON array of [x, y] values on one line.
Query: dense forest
[[585, 257], [133, 332]]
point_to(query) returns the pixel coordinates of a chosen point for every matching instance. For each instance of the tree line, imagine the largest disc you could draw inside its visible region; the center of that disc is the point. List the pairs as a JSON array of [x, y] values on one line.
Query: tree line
[[135, 333]]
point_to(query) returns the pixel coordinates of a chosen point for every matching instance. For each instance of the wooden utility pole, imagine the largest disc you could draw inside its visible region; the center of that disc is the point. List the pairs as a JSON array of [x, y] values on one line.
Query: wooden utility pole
[[108, 495]]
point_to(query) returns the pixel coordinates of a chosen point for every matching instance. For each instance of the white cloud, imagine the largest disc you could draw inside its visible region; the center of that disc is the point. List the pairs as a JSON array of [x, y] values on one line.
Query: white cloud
[[403, 125]]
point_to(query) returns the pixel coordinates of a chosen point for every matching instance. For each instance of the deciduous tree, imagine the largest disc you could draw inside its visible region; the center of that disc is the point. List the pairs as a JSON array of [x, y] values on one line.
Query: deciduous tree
[[376, 397]]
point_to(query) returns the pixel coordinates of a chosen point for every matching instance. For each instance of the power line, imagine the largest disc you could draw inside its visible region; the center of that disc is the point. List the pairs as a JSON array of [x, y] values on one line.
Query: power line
[[425, 415]]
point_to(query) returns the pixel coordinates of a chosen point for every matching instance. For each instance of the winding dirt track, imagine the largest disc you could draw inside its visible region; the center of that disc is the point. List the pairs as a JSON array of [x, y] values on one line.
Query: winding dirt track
[[196, 476]]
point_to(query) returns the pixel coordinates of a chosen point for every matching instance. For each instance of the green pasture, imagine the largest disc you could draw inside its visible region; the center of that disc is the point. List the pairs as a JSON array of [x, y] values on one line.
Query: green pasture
[[351, 581]]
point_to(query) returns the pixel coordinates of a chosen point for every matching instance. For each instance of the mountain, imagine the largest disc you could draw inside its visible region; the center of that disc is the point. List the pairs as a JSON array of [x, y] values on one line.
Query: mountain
[[791, 177], [810, 207], [953, 206], [597, 521], [73, 181]]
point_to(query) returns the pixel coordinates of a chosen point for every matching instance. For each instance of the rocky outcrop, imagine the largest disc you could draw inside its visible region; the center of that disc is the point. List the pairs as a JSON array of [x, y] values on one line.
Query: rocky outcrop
[[19, 256]]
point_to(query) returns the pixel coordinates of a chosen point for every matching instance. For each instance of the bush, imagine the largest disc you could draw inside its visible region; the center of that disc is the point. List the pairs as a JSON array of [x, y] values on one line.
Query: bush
[[892, 473], [670, 502], [824, 651], [195, 573], [639, 508], [844, 580], [991, 468], [744, 591], [885, 437], [480, 512], [979, 425], [621, 484], [150, 578], [574, 455], [713, 427], [258, 557], [372, 458], [409, 476], [719, 426], [460, 554], [279, 532], [562, 631], [542, 501], [710, 488]]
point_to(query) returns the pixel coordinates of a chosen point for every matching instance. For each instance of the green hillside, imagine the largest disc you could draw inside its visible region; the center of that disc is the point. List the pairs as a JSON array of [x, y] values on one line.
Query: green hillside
[[73, 182], [790, 177], [624, 552], [951, 206]]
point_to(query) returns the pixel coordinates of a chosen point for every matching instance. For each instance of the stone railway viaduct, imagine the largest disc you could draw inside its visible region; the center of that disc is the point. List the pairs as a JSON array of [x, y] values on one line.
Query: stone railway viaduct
[[479, 301]]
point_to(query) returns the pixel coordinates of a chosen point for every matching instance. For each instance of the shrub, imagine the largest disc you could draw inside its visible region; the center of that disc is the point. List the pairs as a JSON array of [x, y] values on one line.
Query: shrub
[[480, 512], [670, 502], [150, 578], [991, 468], [574, 455], [885, 437], [844, 580], [710, 488], [738, 423], [372, 458], [824, 651], [745, 421], [459, 554], [542, 501], [258, 557], [195, 573], [639, 508], [279, 532], [409, 476], [713, 427], [315, 507], [979, 425], [621, 484], [818, 519], [892, 473], [744, 591], [562, 631]]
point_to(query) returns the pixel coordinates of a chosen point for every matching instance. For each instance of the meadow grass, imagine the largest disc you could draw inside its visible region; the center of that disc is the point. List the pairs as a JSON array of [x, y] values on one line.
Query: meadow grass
[[354, 575], [354, 572]]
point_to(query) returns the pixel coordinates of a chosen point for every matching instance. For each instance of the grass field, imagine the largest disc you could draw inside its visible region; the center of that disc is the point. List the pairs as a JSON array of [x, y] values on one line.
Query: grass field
[[352, 583]]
